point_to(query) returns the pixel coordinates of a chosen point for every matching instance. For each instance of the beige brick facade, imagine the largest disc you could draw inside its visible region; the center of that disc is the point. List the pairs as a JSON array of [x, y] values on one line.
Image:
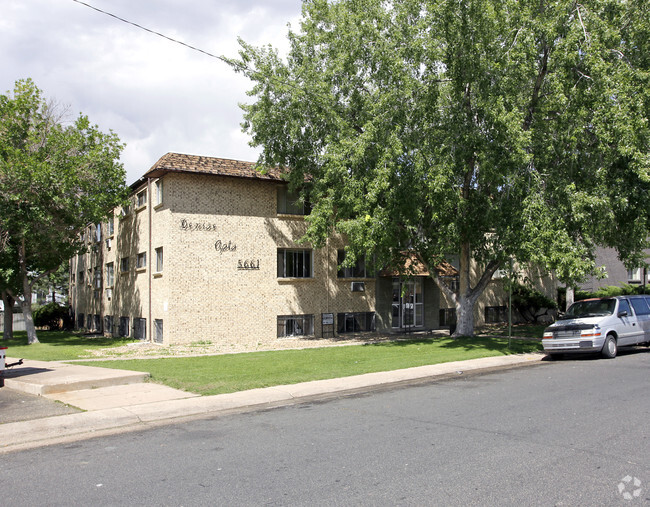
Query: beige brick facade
[[215, 226]]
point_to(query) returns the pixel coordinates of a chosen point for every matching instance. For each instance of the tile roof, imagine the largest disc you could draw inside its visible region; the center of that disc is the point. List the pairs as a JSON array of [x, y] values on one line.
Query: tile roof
[[179, 162]]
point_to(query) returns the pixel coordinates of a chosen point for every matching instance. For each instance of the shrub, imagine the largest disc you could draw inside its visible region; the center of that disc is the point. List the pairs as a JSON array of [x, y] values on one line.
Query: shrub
[[531, 303], [51, 315]]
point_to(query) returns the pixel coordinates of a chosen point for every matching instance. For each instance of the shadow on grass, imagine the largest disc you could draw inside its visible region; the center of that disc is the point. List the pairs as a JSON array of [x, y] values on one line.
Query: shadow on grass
[[468, 344]]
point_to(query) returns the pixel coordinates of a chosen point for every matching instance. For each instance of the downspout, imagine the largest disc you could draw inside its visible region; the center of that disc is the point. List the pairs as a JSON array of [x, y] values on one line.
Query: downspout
[[149, 270]]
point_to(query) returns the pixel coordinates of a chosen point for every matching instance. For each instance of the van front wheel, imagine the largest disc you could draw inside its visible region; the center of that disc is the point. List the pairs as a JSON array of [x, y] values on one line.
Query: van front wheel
[[610, 348]]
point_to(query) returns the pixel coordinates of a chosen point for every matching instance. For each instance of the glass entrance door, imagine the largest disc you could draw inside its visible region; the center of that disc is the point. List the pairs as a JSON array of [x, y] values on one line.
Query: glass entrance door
[[408, 304]]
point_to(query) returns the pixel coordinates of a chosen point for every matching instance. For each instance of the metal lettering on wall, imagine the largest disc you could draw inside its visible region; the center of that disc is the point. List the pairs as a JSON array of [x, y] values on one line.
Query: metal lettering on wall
[[222, 246], [248, 264], [186, 225]]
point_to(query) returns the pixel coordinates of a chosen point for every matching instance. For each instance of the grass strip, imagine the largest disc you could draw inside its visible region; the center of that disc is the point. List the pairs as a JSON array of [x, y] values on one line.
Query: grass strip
[[227, 373], [58, 345]]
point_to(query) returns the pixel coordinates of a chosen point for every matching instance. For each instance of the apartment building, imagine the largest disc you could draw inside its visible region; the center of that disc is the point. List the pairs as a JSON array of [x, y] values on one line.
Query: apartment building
[[209, 249]]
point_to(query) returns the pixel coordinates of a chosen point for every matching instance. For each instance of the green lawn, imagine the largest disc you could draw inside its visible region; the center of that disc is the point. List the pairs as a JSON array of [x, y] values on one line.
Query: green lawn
[[237, 372], [57, 345]]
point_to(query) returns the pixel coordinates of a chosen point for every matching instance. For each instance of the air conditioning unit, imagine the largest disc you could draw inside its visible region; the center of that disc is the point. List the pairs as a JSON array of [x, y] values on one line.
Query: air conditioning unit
[[108, 243], [358, 287], [109, 293]]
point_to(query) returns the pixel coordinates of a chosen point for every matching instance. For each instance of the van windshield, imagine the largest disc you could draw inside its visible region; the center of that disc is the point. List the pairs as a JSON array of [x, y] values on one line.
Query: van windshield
[[591, 308]]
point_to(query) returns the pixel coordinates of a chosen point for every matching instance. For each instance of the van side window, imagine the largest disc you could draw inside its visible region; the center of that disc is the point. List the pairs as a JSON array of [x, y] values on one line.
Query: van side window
[[623, 306], [640, 306]]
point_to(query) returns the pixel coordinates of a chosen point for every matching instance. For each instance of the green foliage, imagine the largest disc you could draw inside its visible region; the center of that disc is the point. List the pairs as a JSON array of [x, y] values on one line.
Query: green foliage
[[56, 177], [495, 130], [611, 291], [51, 315], [529, 301]]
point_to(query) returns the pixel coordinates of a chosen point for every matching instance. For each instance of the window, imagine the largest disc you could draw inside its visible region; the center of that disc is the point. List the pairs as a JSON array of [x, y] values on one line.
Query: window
[[159, 191], [80, 320], [289, 202], [123, 331], [98, 233], [356, 322], [141, 261], [640, 306], [295, 325], [294, 263], [453, 282], [159, 260], [108, 324], [139, 328], [124, 264], [98, 277], [110, 275], [141, 198], [110, 227], [356, 271], [81, 277], [126, 209], [634, 275], [448, 316], [495, 314], [158, 326]]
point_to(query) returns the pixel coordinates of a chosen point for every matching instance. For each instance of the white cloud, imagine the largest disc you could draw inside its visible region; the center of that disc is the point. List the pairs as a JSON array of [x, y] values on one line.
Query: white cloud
[[157, 96]]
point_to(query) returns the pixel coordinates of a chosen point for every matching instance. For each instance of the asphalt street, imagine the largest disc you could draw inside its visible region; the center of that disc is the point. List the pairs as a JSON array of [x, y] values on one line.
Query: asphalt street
[[571, 432]]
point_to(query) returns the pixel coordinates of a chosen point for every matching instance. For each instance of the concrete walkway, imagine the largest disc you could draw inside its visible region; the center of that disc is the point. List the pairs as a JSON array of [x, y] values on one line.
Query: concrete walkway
[[121, 400]]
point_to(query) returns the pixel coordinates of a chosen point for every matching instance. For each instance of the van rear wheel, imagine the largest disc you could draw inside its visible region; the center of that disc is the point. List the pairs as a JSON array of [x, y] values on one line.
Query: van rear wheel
[[610, 348]]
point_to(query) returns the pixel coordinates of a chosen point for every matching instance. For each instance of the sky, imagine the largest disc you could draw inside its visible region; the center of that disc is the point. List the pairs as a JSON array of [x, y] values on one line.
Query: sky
[[156, 95]]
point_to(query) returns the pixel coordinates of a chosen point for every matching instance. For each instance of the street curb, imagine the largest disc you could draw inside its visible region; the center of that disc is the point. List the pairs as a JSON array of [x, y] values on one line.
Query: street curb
[[51, 430]]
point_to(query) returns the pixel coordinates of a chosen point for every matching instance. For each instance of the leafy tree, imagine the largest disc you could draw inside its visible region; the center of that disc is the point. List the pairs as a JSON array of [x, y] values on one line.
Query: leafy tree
[[55, 179], [492, 130]]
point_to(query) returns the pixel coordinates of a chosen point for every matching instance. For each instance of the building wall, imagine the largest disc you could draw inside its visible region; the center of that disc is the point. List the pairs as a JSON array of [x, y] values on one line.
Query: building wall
[[219, 238]]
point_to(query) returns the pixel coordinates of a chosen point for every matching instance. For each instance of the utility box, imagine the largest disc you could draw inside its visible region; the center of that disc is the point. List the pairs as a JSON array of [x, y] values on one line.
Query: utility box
[[3, 354]]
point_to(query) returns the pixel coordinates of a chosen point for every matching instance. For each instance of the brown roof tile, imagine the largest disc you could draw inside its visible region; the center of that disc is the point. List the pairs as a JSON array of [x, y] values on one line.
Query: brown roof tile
[[179, 162]]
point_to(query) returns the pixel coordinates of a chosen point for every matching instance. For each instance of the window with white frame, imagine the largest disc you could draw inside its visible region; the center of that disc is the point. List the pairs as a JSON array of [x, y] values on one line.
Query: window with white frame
[[158, 184], [295, 325], [141, 260], [97, 277], [141, 198], [124, 265], [110, 227], [634, 275], [159, 260], [290, 203], [110, 275], [358, 270], [98, 233], [294, 263]]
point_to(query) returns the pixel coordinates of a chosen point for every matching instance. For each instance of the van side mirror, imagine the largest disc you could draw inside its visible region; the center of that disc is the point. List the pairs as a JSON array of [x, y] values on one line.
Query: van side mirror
[[623, 313]]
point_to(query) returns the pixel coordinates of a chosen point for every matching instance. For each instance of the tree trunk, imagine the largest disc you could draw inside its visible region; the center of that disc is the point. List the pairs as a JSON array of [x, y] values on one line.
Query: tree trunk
[[8, 301], [26, 302], [53, 295], [570, 297], [464, 316], [26, 305]]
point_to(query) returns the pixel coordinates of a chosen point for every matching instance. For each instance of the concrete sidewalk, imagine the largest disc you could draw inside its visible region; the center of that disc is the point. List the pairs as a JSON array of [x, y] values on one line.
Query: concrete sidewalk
[[119, 400]]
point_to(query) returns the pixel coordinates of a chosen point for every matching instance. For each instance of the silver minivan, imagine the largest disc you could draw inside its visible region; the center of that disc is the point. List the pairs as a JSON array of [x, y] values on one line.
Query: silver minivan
[[600, 325]]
